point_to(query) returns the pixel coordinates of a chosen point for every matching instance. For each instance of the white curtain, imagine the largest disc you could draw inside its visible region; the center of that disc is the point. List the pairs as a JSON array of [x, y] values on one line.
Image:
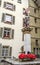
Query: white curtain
[[9, 6], [8, 18]]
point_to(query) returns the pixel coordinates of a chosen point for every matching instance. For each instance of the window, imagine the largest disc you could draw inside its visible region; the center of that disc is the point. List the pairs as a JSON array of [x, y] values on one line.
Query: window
[[19, 1], [6, 51], [36, 41], [8, 33], [36, 51], [34, 10], [35, 30], [7, 18], [35, 19], [9, 6]]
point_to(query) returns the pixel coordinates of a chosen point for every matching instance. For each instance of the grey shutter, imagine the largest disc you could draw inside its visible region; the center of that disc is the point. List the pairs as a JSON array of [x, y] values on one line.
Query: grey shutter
[[14, 7], [0, 49], [22, 36], [12, 34], [4, 4], [23, 22], [0, 3], [10, 51], [1, 30], [3, 17], [13, 19]]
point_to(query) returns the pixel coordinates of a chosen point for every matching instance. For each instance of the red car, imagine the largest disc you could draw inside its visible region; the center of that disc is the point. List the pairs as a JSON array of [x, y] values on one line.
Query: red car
[[25, 56]]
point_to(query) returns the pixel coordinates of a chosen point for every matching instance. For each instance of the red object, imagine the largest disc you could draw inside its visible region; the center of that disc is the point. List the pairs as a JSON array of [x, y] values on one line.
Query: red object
[[22, 56], [30, 56]]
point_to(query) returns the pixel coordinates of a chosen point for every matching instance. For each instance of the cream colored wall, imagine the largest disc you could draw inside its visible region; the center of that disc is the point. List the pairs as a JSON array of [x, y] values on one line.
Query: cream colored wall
[[17, 42]]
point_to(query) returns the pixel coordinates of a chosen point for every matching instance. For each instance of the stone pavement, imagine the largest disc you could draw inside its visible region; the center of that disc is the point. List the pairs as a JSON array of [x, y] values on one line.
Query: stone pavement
[[13, 62]]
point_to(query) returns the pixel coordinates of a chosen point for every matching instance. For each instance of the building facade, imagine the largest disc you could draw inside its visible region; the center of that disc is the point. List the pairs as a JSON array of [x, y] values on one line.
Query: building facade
[[35, 24], [11, 23]]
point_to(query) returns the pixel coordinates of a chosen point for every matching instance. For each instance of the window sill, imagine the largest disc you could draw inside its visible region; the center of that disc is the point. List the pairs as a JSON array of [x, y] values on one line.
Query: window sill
[[8, 22], [6, 37]]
